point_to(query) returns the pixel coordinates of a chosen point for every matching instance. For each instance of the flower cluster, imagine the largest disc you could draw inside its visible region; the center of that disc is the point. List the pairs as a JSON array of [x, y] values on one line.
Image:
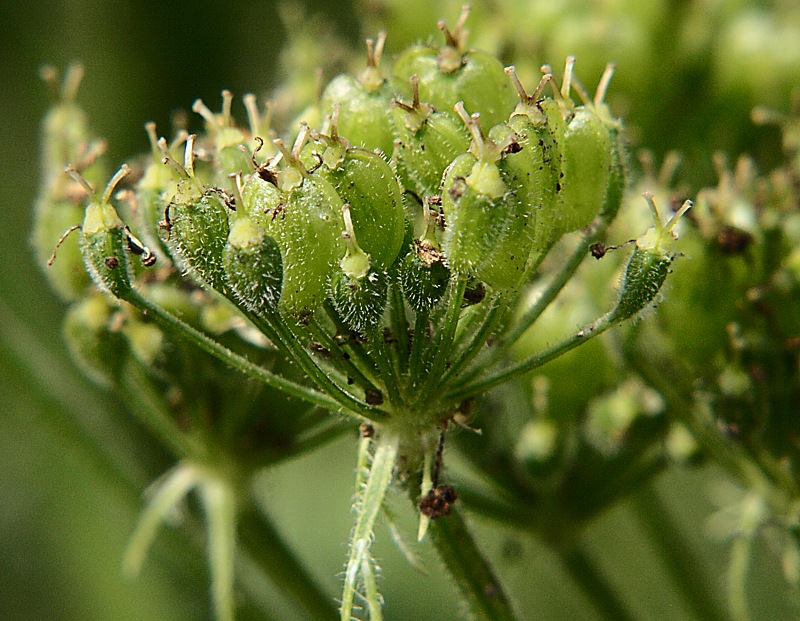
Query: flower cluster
[[366, 258]]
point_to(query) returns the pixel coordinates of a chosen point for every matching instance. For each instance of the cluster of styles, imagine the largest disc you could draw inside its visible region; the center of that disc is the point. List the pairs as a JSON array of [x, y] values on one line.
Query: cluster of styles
[[382, 253]]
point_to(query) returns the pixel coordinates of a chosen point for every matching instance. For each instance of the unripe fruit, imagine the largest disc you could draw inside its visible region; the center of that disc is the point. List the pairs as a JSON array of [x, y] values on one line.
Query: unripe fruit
[[66, 140], [197, 222], [488, 232], [96, 349], [105, 240], [252, 262], [648, 266], [537, 167], [365, 181], [154, 191], [226, 138], [364, 103], [358, 290], [302, 213], [426, 142], [450, 74], [593, 160], [423, 274]]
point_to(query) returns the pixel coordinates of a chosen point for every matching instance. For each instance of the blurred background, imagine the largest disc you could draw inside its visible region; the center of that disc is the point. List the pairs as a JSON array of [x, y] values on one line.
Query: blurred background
[[66, 513]]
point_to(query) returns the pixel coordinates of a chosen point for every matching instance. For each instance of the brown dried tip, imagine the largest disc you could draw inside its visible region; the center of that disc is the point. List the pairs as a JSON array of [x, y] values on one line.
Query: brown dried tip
[[438, 502], [458, 35]]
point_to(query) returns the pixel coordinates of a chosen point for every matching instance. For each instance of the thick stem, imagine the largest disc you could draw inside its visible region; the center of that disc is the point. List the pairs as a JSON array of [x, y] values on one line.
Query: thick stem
[[677, 555], [470, 569], [594, 585], [263, 544]]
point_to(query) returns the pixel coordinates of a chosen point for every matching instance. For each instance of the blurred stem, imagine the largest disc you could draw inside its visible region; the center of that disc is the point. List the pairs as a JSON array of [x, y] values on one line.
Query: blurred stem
[[656, 367], [65, 414], [677, 555], [737, 577], [149, 405], [586, 575], [471, 571], [262, 543]]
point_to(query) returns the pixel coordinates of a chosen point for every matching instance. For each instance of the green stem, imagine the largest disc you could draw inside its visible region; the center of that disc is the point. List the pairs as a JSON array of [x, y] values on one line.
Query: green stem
[[323, 380], [385, 364], [469, 568], [561, 278], [586, 575], [368, 367], [400, 325], [678, 556], [490, 322], [240, 363], [737, 577], [587, 333], [444, 338], [343, 363], [370, 492], [266, 548], [415, 371]]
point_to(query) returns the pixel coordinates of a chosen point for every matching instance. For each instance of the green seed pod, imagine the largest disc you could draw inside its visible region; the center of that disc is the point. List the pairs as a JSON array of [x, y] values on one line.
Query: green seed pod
[[364, 180], [450, 74], [302, 213], [364, 102], [145, 342], [537, 166], [586, 163], [358, 291], [648, 266], [252, 263], [423, 274], [154, 190], [592, 158], [426, 142], [105, 240], [197, 221], [66, 140], [67, 276], [618, 175], [227, 139], [488, 232], [96, 349]]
